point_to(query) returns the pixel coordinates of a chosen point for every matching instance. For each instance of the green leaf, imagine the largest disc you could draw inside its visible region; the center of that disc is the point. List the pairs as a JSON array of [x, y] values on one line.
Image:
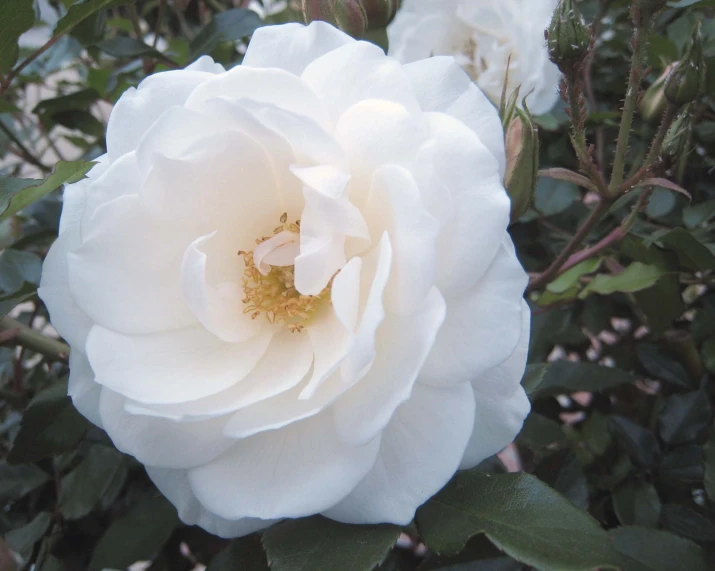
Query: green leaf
[[16, 17], [23, 539], [320, 544], [16, 481], [697, 214], [49, 426], [663, 302], [539, 432], [687, 522], [570, 278], [7, 107], [126, 47], [571, 377], [684, 418], [639, 443], [637, 503], [17, 193], [691, 253], [709, 454], [137, 536], [683, 466], [245, 554], [77, 101], [228, 26], [83, 488], [661, 366], [635, 277], [83, 10], [554, 196], [564, 473], [10, 301], [522, 516], [18, 267], [651, 550]]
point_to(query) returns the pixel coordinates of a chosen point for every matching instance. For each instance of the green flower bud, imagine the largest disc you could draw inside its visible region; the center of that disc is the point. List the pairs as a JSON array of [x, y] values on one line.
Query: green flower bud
[[348, 15], [652, 104], [568, 36], [687, 80], [380, 12], [676, 141], [522, 162]]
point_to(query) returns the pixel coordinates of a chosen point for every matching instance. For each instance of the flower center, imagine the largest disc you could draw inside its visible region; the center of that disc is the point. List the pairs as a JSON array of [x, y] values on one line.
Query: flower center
[[269, 279]]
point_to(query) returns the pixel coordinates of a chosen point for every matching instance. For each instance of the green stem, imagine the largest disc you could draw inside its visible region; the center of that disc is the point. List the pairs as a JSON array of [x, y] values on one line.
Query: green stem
[[34, 340], [657, 144], [629, 105]]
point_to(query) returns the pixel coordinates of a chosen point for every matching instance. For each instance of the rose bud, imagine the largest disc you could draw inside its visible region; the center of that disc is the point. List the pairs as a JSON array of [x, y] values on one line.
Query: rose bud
[[569, 38], [686, 81], [522, 162], [380, 12], [653, 103], [348, 15], [675, 144]]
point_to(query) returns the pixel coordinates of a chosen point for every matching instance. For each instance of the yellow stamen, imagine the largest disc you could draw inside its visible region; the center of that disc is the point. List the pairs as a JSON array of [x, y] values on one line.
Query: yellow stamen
[[274, 295]]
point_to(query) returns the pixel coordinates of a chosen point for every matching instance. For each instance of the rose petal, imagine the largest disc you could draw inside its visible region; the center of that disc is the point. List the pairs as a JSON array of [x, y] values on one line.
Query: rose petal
[[482, 327], [283, 366], [419, 452], [174, 484], [161, 442], [138, 109], [285, 473], [292, 46], [170, 367], [129, 265], [502, 404], [365, 410]]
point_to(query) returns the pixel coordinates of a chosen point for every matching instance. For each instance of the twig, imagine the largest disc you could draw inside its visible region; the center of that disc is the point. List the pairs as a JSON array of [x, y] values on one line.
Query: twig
[[34, 340], [24, 151], [159, 22], [553, 270], [28, 60]]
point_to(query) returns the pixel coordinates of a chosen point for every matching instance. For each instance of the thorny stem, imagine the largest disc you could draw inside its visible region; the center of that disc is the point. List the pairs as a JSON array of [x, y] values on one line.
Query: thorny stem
[[34, 340], [642, 28], [665, 123], [553, 270], [577, 112]]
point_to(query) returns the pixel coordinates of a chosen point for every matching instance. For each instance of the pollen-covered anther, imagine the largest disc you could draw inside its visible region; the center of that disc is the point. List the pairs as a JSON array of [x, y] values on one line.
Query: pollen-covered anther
[[273, 294]]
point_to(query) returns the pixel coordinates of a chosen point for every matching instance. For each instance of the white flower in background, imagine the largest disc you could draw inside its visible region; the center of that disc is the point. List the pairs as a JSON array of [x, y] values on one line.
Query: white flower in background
[[265, 8], [262, 367], [483, 35]]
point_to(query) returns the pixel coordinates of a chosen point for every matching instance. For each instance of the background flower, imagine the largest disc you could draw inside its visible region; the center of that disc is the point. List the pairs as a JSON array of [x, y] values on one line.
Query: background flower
[[485, 37], [289, 288]]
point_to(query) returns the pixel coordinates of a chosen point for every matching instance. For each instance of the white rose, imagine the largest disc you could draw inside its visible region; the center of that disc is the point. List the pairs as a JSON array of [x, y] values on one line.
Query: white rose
[[485, 37], [344, 366]]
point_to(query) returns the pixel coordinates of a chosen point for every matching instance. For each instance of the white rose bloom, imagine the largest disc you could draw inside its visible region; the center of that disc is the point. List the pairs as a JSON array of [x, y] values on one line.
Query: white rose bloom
[[264, 368], [483, 35]]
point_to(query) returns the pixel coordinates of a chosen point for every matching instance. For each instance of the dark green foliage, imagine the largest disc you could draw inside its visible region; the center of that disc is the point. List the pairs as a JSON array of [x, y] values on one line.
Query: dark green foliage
[[618, 454]]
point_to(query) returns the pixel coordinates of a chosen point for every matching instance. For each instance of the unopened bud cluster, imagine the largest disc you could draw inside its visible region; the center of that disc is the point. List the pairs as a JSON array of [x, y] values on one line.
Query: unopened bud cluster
[[568, 36], [354, 17]]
